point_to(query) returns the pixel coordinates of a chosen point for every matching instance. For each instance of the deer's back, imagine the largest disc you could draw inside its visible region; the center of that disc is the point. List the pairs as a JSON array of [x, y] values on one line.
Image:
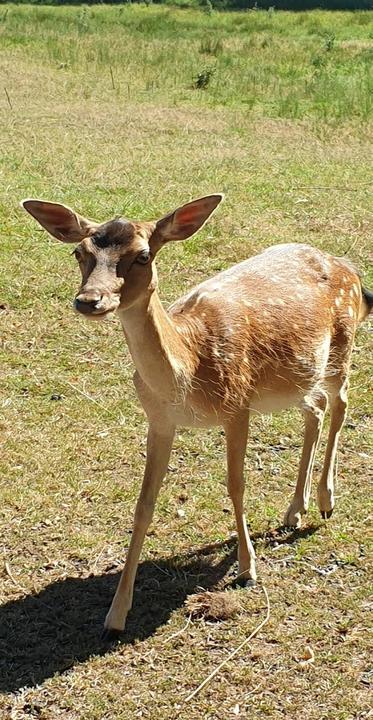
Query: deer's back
[[263, 329]]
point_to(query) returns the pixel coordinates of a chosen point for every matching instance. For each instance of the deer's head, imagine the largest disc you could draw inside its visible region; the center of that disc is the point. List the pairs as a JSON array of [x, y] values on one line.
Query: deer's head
[[116, 258]]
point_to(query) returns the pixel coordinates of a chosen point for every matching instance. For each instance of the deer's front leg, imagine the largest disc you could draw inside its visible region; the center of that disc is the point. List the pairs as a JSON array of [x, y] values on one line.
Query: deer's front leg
[[236, 431], [159, 446]]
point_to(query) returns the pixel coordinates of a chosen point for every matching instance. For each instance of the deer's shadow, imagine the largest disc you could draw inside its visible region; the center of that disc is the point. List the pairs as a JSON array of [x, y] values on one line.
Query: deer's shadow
[[48, 632]]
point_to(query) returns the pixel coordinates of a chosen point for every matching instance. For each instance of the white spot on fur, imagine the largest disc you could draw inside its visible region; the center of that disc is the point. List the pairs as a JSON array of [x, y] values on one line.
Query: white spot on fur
[[276, 301], [341, 292], [355, 289], [350, 311], [338, 302]]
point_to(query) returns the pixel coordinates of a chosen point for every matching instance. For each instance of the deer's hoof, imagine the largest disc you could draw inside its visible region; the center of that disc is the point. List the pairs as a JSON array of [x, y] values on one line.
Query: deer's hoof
[[248, 583], [243, 582], [109, 635], [325, 500], [293, 518], [115, 622]]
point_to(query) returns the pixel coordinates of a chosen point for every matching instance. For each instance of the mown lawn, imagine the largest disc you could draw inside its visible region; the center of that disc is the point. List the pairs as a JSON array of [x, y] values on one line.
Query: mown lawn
[[99, 109]]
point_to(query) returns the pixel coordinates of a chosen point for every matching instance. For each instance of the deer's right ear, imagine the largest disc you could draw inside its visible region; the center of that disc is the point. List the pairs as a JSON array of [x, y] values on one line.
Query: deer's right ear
[[184, 221], [59, 220]]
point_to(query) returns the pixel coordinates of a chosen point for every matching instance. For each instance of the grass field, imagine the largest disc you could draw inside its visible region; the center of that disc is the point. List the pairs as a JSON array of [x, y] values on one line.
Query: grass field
[[99, 109], [278, 65]]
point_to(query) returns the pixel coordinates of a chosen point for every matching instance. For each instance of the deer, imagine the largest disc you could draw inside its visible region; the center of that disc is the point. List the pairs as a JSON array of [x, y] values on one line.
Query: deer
[[273, 332]]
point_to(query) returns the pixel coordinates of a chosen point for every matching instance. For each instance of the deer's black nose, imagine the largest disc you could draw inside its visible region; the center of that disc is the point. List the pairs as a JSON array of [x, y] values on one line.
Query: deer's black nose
[[86, 305]]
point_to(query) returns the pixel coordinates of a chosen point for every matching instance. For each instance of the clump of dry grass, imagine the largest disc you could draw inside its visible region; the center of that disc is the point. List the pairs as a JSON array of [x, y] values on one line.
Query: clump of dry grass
[[213, 605]]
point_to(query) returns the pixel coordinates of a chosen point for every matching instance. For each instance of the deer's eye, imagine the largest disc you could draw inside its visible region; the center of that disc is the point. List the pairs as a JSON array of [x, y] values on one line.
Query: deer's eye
[[143, 257]]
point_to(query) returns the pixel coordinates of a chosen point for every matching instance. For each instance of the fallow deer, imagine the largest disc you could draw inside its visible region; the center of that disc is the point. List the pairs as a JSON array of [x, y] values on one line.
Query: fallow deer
[[273, 332]]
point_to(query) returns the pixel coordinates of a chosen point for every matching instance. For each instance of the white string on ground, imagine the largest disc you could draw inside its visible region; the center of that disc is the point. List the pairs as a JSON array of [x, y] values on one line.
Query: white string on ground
[[232, 654]]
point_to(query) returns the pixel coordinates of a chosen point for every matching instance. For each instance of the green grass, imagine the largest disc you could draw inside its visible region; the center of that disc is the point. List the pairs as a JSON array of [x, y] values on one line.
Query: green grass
[[288, 141], [274, 64]]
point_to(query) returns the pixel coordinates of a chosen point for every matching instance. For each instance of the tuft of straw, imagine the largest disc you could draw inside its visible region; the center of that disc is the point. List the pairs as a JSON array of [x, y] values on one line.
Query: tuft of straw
[[213, 605]]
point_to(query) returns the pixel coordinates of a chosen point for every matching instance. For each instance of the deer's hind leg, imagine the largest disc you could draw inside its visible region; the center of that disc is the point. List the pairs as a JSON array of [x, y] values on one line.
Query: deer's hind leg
[[325, 490], [314, 410], [337, 387], [236, 431]]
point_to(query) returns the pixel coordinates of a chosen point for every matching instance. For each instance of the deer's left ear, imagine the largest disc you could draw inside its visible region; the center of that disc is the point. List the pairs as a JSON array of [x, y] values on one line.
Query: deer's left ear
[[59, 220], [185, 221]]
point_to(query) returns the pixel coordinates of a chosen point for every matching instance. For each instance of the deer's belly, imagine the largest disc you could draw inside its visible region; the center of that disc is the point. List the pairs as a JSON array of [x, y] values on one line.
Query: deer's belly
[[263, 402], [192, 416], [266, 403]]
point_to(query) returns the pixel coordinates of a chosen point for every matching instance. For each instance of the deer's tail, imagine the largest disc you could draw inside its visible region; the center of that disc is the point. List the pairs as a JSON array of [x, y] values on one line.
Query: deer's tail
[[366, 303]]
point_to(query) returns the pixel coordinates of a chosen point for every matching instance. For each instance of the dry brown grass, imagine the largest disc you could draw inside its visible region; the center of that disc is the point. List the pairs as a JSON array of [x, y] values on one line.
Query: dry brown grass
[[213, 605]]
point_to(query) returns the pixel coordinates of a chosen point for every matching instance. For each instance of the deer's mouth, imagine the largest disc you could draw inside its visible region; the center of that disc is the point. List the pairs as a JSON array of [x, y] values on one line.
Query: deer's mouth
[[99, 315], [99, 312]]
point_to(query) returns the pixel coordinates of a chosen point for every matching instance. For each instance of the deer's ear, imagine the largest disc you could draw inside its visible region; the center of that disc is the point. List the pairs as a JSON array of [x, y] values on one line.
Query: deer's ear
[[59, 220], [185, 221]]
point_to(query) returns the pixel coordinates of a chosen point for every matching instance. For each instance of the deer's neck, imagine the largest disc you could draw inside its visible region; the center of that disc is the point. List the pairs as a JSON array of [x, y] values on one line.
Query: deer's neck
[[161, 354]]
